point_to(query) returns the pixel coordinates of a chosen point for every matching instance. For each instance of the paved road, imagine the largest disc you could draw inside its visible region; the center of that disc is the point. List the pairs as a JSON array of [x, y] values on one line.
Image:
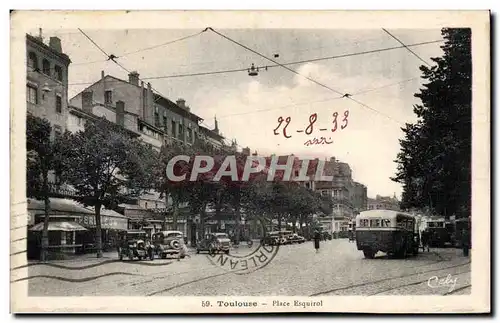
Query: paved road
[[338, 269]]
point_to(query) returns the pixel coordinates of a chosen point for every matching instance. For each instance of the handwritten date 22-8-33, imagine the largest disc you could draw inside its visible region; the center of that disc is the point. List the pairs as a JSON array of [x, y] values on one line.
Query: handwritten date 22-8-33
[[337, 122]]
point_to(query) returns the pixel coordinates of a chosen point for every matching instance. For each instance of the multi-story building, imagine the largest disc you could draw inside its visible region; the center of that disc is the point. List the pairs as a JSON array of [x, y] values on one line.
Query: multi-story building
[[156, 119], [47, 81], [384, 203], [136, 107], [212, 136], [47, 97], [360, 200]]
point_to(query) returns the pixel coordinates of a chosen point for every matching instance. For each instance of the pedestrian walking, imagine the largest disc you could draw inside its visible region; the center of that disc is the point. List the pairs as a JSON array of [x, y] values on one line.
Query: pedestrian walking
[[317, 238], [465, 242], [425, 240]]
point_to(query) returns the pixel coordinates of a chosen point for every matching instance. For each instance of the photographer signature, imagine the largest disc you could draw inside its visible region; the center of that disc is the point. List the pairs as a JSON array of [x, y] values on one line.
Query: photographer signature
[[436, 282]]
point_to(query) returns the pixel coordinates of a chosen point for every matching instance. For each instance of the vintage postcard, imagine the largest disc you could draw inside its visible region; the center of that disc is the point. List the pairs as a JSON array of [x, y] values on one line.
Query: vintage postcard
[[250, 162]]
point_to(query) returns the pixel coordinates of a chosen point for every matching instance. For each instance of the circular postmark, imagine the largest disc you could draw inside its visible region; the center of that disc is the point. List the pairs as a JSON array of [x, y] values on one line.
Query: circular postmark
[[259, 256]]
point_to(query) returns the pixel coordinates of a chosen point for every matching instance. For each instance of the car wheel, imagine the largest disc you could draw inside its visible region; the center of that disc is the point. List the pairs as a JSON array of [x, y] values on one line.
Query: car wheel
[[183, 256], [163, 256], [197, 251], [139, 257], [369, 254], [226, 252]]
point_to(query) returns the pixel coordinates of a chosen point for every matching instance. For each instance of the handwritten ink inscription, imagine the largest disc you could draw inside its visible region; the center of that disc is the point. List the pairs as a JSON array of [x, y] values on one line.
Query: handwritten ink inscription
[[338, 122], [320, 141]]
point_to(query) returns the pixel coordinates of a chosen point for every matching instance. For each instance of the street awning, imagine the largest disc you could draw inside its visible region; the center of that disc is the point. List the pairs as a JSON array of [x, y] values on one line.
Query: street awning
[[59, 226]]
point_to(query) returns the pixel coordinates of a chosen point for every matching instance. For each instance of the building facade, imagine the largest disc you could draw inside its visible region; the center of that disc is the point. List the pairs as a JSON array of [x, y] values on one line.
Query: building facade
[[360, 199], [47, 81], [155, 119], [384, 203]]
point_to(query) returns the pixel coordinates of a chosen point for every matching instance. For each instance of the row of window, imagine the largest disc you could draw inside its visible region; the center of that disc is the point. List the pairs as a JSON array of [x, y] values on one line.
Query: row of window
[[386, 223], [32, 97], [46, 68], [177, 129]]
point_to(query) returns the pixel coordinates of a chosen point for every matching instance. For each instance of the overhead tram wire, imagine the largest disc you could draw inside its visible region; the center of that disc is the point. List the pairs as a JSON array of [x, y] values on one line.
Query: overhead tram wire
[[143, 49], [276, 65], [113, 58], [306, 77], [399, 41], [293, 63], [163, 44], [318, 101]]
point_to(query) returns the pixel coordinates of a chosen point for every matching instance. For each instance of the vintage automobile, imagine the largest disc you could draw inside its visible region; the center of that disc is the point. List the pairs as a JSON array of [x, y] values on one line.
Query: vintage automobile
[[134, 244], [271, 239], [326, 236], [295, 238], [169, 243], [214, 243], [392, 232]]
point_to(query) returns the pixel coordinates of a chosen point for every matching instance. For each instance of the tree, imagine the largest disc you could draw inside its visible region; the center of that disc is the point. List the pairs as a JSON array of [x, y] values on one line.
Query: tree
[[43, 156], [434, 164], [104, 165], [162, 184]]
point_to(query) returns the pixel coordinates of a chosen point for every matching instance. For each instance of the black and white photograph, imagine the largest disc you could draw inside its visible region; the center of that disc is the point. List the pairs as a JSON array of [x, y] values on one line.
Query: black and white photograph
[[257, 168]]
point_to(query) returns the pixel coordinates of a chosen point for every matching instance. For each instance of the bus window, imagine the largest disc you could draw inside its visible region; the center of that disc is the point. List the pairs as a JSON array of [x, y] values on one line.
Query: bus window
[[385, 223], [375, 223], [363, 222]]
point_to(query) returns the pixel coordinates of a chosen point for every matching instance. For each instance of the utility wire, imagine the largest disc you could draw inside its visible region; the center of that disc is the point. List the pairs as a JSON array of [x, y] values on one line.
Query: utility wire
[[276, 65], [161, 45], [318, 101], [295, 62], [308, 78], [414, 54], [112, 57], [142, 49], [93, 42]]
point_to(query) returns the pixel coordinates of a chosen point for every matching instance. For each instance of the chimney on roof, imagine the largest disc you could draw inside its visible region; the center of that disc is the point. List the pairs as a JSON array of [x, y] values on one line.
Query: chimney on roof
[[181, 103], [87, 101], [55, 44], [133, 78], [40, 34]]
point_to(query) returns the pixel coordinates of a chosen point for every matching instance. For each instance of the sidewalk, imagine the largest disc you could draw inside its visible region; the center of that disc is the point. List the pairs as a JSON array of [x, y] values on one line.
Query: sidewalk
[[79, 258], [448, 253]]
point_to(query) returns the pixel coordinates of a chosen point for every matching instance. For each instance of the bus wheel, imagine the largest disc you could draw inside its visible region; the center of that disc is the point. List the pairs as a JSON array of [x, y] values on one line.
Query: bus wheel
[[369, 254], [401, 253]]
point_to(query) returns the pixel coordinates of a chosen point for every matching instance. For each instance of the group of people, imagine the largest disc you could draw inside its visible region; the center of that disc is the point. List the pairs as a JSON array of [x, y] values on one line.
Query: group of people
[[426, 237]]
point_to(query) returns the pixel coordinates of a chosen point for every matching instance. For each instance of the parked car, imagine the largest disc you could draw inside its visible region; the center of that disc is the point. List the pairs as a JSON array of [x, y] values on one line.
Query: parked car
[[326, 236], [214, 243], [134, 244], [295, 238], [169, 243], [270, 240]]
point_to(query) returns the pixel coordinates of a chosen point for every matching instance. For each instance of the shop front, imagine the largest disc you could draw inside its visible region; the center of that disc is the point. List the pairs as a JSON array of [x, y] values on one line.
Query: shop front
[[63, 227], [111, 224]]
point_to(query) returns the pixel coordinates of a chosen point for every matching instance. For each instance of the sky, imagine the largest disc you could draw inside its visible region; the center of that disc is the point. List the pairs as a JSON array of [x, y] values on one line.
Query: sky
[[248, 108]]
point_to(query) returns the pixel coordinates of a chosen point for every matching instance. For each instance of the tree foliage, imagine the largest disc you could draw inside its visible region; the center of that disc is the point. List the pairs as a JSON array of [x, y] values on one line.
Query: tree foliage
[[43, 158], [434, 164], [105, 165]]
